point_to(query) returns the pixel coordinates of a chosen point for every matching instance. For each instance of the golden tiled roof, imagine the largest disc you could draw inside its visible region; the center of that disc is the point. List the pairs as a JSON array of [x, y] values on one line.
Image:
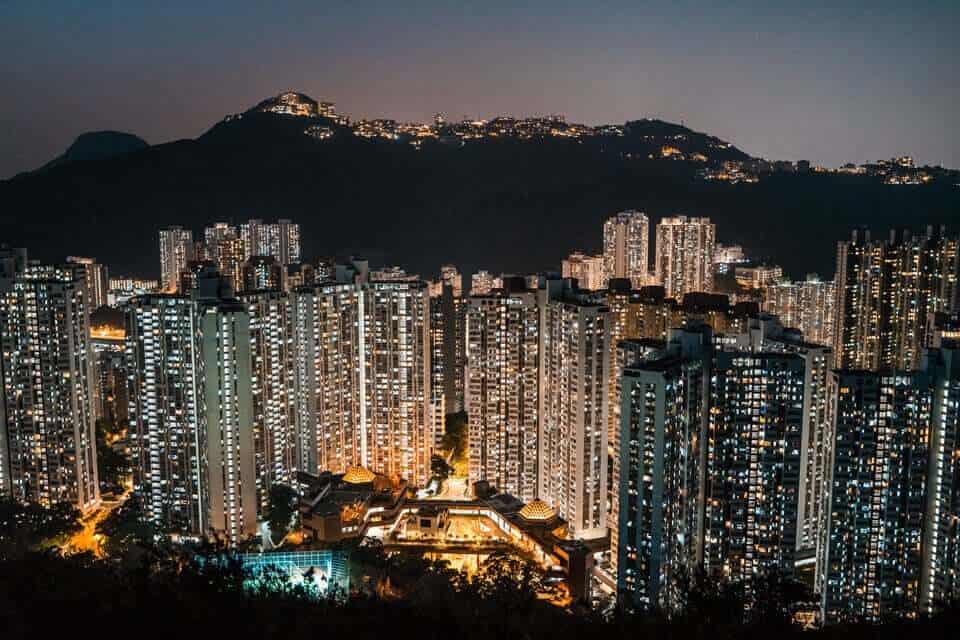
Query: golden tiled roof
[[358, 475], [538, 510]]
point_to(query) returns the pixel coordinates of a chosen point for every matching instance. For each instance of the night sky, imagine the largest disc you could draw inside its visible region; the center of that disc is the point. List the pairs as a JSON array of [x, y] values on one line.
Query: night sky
[[812, 80]]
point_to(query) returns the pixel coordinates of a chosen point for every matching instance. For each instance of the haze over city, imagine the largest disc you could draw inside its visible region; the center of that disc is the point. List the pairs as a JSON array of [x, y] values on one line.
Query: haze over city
[[819, 81]]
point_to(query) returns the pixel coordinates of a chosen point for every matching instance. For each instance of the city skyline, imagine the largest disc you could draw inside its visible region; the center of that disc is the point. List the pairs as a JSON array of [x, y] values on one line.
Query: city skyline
[[658, 422], [633, 58], [559, 320]]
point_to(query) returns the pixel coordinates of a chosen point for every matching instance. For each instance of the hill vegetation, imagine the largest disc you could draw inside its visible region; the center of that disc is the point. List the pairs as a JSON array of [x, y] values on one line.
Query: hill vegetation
[[484, 204]]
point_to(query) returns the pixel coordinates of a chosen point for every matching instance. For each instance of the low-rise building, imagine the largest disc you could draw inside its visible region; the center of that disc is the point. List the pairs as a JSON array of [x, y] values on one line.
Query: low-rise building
[[336, 507], [757, 277]]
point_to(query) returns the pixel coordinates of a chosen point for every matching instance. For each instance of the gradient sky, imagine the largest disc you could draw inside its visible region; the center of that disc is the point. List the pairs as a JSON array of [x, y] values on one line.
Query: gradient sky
[[812, 80]]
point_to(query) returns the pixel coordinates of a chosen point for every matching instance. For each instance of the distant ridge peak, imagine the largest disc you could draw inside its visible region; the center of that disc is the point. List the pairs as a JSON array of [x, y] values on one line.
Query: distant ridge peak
[[98, 145], [294, 103]]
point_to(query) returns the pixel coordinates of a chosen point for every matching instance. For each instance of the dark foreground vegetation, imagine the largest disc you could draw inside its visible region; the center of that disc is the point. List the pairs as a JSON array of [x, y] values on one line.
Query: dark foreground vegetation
[[145, 588], [45, 595]]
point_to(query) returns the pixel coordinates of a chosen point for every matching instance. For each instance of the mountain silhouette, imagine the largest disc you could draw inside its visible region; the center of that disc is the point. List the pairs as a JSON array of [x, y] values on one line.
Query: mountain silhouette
[[97, 145], [504, 204]]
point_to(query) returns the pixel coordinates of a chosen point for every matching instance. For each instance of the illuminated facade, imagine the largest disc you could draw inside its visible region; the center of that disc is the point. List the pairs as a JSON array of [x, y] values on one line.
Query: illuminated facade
[[191, 411], [109, 374], [503, 391], [626, 345], [261, 273], [396, 354], [727, 256], [452, 313], [287, 245], [758, 466], [816, 443], [573, 427], [227, 417], [483, 282], [188, 277], [326, 269], [655, 313], [274, 418], [326, 324], [299, 275], [438, 361], [224, 248], [110, 381], [450, 276], [626, 241], [251, 235], [660, 474], [643, 313], [176, 249], [886, 293], [164, 411], [891, 544], [946, 328], [363, 377], [97, 280], [765, 333], [47, 443], [623, 324], [124, 287], [806, 305], [280, 239], [753, 464], [587, 270], [684, 261], [393, 274], [757, 277], [629, 353]]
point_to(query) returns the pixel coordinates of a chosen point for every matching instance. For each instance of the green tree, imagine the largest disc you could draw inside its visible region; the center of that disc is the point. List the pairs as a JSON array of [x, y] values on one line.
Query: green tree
[[511, 590], [711, 601], [368, 564], [281, 508], [112, 466], [423, 583], [511, 580], [128, 536], [454, 440], [439, 469], [776, 599], [215, 567], [25, 526]]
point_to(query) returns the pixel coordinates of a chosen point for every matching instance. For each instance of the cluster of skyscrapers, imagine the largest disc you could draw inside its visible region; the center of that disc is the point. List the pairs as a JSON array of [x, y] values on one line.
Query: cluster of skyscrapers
[[229, 249], [683, 260], [813, 427], [748, 454], [233, 393]]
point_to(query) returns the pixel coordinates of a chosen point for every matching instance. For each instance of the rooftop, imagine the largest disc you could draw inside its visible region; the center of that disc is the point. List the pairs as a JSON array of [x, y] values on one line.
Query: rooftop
[[538, 511], [358, 475]]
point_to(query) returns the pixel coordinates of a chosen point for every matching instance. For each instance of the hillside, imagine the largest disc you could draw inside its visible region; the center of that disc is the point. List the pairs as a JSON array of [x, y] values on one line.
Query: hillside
[[98, 145], [506, 203]]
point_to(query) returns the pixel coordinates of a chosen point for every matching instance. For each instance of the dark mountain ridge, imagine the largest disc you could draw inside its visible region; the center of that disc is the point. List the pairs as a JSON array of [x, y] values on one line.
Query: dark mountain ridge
[[503, 204], [98, 145]]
